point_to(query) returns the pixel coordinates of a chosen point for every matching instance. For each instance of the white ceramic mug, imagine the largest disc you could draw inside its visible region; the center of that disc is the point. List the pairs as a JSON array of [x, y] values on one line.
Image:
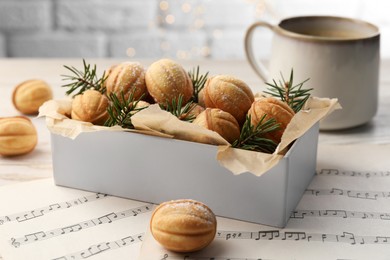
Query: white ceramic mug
[[339, 55]]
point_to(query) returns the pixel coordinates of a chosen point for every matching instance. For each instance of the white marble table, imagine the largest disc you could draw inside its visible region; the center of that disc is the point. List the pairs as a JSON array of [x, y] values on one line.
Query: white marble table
[[38, 165]]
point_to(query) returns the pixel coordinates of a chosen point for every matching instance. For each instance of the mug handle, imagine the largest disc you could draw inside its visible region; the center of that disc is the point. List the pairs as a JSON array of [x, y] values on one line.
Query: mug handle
[[257, 66]]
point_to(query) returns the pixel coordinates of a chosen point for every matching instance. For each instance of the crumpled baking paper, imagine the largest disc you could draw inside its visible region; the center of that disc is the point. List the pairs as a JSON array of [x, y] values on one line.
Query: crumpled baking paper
[[157, 122]]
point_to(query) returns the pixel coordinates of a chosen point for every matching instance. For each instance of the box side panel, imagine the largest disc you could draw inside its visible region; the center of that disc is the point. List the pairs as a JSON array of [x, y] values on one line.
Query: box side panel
[[157, 169], [301, 167]]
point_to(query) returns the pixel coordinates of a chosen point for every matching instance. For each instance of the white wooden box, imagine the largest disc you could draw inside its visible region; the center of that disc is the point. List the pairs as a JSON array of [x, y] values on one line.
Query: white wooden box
[[156, 169]]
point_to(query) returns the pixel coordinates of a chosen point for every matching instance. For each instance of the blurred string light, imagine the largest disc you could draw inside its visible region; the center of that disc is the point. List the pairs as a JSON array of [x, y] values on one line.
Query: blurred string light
[[170, 19], [130, 52], [167, 18], [186, 8], [260, 5], [164, 5]]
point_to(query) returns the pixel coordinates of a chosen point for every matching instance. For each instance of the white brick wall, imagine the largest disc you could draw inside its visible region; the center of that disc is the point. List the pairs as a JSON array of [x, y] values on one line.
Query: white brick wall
[[185, 44], [113, 15], [227, 44], [57, 45], [138, 43], [188, 29], [228, 14], [25, 15], [183, 13], [2, 46]]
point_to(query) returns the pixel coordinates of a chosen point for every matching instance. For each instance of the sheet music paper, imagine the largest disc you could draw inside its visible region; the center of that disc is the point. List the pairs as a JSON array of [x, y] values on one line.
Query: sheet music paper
[[39, 220], [344, 214]]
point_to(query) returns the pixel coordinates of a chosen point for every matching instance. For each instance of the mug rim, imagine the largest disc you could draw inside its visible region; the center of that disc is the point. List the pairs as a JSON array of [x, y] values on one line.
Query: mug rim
[[292, 34]]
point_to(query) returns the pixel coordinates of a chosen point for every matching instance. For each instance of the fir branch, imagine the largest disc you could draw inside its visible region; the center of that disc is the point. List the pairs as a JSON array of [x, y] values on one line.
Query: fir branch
[[253, 137], [121, 110], [177, 109], [294, 95], [198, 81], [83, 80]]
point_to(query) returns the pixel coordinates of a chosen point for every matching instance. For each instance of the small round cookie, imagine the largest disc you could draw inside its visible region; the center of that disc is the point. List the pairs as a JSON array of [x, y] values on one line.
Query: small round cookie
[[219, 121], [166, 80], [273, 108], [183, 225], [139, 105], [195, 110], [126, 77], [229, 94], [91, 106], [18, 136], [29, 95]]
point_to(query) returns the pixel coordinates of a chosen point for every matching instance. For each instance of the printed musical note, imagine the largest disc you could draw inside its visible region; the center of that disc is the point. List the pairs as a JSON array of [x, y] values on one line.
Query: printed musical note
[[348, 237], [335, 213], [345, 237], [381, 239], [384, 216], [24, 217], [69, 229], [337, 191], [328, 172], [232, 235], [39, 212], [100, 195], [127, 240], [301, 214], [106, 219], [369, 195], [93, 250], [54, 207], [269, 235], [14, 243], [4, 219], [367, 174], [34, 236], [294, 236], [103, 247]]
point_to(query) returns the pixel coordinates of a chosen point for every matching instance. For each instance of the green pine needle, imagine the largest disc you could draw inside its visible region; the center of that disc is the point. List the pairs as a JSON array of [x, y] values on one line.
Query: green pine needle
[[83, 80], [198, 81], [294, 95], [121, 110], [177, 109], [253, 137]]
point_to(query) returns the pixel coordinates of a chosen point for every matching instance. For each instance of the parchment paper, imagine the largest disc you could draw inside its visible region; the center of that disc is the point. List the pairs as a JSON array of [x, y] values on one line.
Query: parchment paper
[[157, 122]]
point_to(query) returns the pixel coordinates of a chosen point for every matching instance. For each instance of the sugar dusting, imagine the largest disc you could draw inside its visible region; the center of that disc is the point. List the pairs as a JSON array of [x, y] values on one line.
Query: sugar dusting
[[194, 208]]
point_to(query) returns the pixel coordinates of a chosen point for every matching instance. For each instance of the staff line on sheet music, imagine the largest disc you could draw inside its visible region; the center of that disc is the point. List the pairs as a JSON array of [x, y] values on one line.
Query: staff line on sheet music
[[368, 195], [102, 247], [105, 219], [336, 213], [345, 237], [365, 174], [39, 212]]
